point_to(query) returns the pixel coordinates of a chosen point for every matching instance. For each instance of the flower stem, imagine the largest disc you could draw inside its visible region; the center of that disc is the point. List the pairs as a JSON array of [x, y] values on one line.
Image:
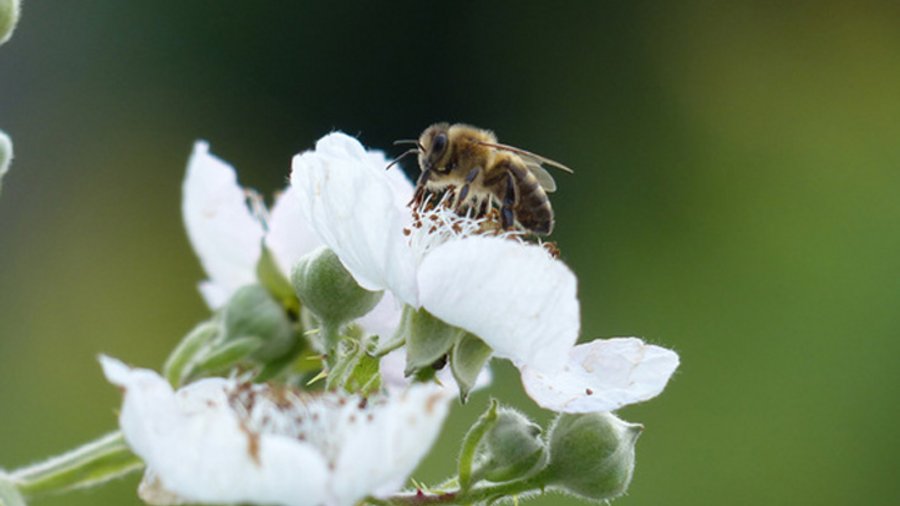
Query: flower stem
[[96, 462], [471, 496]]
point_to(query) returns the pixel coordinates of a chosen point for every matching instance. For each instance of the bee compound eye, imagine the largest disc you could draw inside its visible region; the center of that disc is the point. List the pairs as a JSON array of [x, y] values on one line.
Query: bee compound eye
[[439, 143]]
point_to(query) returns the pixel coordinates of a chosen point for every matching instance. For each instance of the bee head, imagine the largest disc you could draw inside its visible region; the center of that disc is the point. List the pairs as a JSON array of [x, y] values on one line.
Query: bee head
[[434, 148]]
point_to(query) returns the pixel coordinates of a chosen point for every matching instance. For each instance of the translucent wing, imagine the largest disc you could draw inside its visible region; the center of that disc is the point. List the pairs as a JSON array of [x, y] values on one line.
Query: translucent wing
[[535, 164], [543, 177], [528, 155]]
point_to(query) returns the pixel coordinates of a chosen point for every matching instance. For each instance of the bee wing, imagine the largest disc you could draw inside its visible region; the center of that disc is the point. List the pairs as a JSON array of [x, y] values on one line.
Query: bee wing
[[535, 164], [544, 178], [528, 155]]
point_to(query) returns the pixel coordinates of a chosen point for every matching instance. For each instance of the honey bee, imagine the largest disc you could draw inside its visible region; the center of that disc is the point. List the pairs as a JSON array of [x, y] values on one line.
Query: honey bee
[[474, 173]]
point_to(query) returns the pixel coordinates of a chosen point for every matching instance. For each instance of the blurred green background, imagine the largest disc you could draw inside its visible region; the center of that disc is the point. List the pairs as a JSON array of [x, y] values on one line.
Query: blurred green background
[[735, 198]]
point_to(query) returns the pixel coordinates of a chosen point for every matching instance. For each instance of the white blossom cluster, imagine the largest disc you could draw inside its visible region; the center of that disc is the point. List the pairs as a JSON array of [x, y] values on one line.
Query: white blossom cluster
[[226, 441]]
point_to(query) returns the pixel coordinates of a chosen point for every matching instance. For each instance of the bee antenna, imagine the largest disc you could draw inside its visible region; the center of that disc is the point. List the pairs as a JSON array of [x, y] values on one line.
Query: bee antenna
[[409, 141], [401, 157]]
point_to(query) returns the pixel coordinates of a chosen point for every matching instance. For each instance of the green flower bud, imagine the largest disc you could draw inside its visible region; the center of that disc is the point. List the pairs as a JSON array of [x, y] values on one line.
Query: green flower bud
[[6, 154], [326, 288], [428, 339], [512, 448], [9, 16], [252, 312], [591, 455]]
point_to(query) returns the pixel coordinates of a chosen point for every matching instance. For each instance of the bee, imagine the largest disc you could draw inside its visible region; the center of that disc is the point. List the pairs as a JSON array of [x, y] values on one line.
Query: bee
[[475, 173]]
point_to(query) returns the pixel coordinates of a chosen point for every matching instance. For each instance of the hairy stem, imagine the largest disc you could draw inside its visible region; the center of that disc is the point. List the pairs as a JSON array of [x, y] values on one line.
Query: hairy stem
[[96, 462], [471, 496]]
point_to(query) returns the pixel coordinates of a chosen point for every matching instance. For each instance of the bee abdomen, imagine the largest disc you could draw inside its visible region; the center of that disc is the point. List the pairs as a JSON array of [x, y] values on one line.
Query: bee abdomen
[[532, 210]]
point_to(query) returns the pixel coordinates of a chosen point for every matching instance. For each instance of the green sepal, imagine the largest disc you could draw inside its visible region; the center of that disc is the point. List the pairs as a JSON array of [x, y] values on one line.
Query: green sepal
[[178, 365], [399, 338], [271, 278], [354, 370], [253, 312], [364, 376], [227, 354], [471, 442], [467, 359], [428, 340]]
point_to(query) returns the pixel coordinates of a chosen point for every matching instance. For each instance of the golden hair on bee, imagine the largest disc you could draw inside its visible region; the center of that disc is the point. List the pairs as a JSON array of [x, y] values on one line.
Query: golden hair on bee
[[469, 170]]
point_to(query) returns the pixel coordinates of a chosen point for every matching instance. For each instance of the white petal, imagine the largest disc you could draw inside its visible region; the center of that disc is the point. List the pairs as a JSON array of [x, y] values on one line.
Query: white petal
[[515, 297], [199, 451], [379, 453], [351, 203], [221, 228], [289, 236], [384, 318], [603, 375]]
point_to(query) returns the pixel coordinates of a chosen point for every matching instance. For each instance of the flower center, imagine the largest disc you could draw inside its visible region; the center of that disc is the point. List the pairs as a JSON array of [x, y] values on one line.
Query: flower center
[[435, 221], [320, 419]]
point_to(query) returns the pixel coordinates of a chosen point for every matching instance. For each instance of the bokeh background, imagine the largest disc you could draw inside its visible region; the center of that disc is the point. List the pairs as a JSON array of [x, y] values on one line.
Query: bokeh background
[[735, 198]]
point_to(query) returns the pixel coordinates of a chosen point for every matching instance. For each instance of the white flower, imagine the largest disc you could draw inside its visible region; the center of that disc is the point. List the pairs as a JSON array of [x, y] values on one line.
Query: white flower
[[228, 227], [603, 375], [228, 235], [513, 295], [222, 441]]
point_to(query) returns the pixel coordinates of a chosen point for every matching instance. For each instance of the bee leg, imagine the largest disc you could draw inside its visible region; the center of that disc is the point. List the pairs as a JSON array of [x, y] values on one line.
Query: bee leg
[[464, 191], [509, 200]]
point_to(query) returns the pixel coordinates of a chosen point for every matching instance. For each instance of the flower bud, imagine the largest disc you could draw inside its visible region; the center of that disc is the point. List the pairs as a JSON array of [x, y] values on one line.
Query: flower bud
[[253, 313], [326, 288], [9, 16], [591, 455], [512, 448], [6, 153]]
